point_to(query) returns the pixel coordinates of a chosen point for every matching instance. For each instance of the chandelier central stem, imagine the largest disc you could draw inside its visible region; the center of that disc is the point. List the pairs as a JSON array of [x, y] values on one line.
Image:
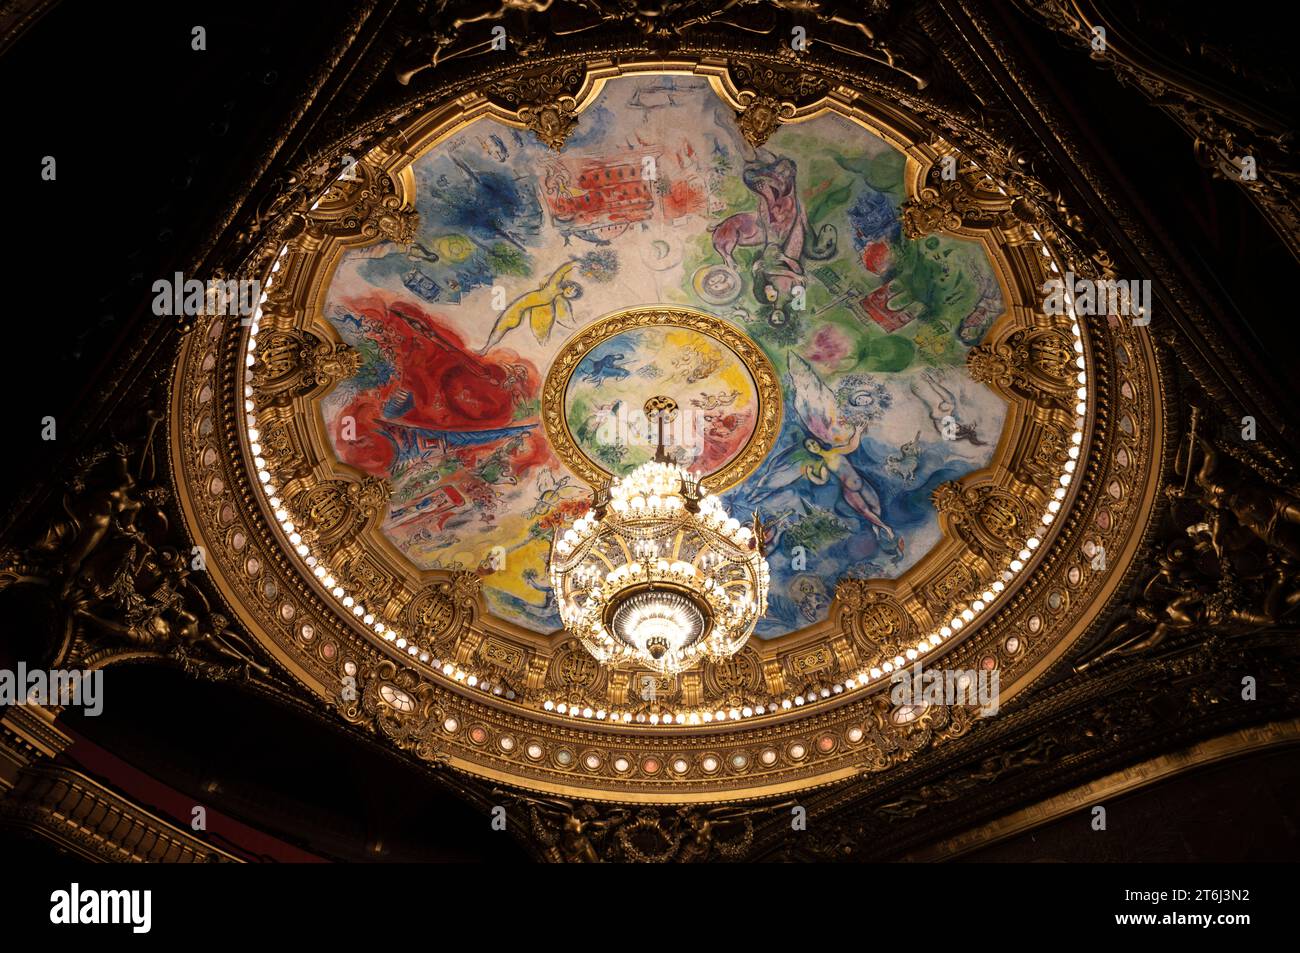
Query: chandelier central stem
[[662, 410]]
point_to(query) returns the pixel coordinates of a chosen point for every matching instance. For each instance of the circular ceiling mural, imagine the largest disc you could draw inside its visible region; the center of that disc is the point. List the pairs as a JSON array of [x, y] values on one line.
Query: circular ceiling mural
[[597, 423], [455, 340], [604, 397], [657, 199]]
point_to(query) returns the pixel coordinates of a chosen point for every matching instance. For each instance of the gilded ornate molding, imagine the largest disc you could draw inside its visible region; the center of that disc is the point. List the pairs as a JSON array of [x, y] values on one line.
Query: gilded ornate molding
[[1237, 140], [119, 583], [1231, 559], [294, 363], [1219, 566], [768, 96], [82, 816], [563, 831]]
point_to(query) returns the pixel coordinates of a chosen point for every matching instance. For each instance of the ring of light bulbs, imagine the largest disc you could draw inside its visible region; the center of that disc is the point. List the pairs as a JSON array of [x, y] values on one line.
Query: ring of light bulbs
[[977, 606]]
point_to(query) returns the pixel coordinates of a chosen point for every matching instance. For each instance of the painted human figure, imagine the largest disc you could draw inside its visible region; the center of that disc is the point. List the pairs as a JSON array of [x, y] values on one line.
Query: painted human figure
[[856, 491], [542, 307], [941, 403]]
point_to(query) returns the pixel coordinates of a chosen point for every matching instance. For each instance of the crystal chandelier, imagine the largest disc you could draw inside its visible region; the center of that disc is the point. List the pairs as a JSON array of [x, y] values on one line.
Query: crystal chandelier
[[657, 573]]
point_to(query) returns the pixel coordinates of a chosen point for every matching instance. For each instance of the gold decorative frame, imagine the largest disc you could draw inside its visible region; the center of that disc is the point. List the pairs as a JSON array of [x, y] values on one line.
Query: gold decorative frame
[[767, 389], [438, 715]]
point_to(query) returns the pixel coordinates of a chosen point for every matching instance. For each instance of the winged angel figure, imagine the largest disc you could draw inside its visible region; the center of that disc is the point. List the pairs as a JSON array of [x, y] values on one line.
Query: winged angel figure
[[831, 442]]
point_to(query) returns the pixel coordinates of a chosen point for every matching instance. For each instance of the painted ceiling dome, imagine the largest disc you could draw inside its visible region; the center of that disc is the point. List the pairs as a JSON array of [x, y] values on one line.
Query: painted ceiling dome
[[460, 329], [847, 404]]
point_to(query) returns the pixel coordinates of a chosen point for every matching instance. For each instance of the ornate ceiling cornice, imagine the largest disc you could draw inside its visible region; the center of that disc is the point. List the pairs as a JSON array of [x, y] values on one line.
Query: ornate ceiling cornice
[[1225, 126]]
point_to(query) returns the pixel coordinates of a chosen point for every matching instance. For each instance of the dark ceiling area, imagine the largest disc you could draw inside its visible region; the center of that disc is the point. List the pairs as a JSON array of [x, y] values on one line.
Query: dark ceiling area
[[332, 796], [152, 141]]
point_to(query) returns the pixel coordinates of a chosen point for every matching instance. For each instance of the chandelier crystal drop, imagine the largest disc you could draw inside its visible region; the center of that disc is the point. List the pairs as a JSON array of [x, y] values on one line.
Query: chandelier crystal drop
[[657, 573]]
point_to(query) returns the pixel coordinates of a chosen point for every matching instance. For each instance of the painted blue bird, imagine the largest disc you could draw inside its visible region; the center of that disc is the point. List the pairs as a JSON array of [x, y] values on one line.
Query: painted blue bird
[[605, 369]]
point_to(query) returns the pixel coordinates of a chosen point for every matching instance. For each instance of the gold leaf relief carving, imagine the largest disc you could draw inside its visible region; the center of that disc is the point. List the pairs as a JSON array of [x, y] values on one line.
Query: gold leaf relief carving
[[552, 122], [1033, 364], [736, 679], [810, 661], [987, 518], [506, 658], [294, 363]]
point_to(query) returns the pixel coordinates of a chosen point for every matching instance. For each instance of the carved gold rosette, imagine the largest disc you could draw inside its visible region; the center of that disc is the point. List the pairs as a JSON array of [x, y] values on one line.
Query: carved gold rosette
[[483, 707]]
